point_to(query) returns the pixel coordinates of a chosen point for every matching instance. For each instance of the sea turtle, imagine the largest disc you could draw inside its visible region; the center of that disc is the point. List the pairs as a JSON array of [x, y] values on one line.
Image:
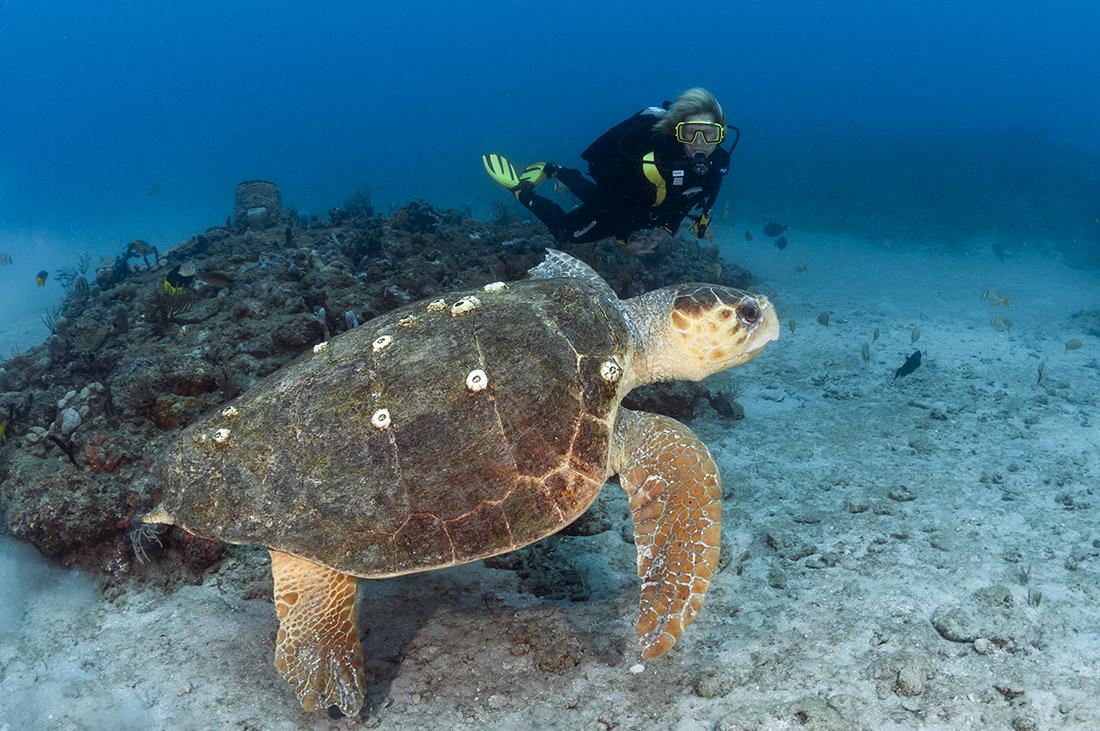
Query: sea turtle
[[450, 431]]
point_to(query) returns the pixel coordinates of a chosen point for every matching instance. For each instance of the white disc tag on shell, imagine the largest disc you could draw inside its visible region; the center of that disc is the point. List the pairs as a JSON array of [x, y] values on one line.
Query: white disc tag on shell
[[477, 380], [611, 371]]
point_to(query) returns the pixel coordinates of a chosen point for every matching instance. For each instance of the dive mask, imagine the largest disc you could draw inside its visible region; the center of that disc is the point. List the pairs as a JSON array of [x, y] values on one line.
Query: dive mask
[[712, 133]]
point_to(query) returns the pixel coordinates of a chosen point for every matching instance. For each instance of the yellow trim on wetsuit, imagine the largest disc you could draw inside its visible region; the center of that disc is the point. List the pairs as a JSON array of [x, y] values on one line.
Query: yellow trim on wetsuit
[[653, 175]]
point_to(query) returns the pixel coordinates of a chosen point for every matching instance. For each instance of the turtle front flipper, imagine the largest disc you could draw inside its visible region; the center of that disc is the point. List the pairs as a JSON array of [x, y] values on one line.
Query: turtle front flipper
[[317, 647], [675, 500]]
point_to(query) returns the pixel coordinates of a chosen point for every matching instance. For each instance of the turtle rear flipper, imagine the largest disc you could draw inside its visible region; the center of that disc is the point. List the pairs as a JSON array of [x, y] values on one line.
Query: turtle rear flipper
[[317, 647], [675, 501]]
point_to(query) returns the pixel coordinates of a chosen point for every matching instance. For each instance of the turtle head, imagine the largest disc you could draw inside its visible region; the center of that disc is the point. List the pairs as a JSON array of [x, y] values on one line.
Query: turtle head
[[691, 331]]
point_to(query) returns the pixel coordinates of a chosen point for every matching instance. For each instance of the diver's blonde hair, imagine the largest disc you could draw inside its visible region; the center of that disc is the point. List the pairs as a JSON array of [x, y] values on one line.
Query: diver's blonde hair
[[693, 102]]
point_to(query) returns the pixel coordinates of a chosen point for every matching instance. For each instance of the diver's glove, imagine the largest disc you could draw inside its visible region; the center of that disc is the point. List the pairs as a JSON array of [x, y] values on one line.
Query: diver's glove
[[700, 226]]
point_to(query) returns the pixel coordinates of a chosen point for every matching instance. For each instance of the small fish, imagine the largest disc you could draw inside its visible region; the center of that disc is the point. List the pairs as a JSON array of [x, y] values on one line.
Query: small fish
[[800, 267], [215, 279], [773, 229], [866, 353], [5, 258], [154, 189], [781, 242], [911, 364], [915, 335], [823, 319], [177, 280], [726, 211], [748, 236], [790, 325], [40, 278], [1073, 344], [999, 250], [1002, 325], [1042, 372], [3, 430], [874, 337], [994, 299]]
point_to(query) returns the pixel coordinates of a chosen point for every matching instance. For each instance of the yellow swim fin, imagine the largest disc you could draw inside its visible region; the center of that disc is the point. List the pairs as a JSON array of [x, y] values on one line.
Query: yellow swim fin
[[537, 172], [501, 170]]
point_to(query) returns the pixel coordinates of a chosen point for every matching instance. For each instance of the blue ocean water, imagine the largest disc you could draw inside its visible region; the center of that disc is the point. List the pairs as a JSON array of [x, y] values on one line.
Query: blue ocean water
[[894, 119]]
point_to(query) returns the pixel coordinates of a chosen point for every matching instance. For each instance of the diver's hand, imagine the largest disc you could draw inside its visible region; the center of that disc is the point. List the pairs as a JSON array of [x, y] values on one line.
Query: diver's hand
[[646, 240], [699, 228]]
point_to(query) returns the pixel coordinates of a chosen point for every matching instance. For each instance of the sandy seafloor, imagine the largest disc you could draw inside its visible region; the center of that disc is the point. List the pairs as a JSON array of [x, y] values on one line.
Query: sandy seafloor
[[919, 553]]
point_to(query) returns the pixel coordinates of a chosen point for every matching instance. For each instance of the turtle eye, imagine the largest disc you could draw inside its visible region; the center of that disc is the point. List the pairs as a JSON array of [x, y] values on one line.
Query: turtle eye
[[749, 312]]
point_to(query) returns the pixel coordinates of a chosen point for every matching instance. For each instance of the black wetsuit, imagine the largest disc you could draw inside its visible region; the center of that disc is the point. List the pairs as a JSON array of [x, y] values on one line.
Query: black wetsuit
[[623, 200]]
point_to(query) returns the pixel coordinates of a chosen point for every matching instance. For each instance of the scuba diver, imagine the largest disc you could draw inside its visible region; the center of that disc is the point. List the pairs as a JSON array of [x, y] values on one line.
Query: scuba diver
[[651, 171]]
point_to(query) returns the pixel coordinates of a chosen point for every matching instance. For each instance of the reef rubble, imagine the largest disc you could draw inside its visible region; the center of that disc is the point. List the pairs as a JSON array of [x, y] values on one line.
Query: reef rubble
[[141, 348]]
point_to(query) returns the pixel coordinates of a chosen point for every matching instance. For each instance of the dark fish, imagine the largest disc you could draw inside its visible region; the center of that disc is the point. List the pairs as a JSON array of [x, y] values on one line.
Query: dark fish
[[773, 229], [911, 364], [154, 189], [748, 236], [999, 250], [781, 242], [40, 278], [175, 281]]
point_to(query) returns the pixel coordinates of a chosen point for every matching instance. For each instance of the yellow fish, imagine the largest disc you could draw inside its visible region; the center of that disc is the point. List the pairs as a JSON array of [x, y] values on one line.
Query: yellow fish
[[1002, 325], [994, 299], [40, 278]]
